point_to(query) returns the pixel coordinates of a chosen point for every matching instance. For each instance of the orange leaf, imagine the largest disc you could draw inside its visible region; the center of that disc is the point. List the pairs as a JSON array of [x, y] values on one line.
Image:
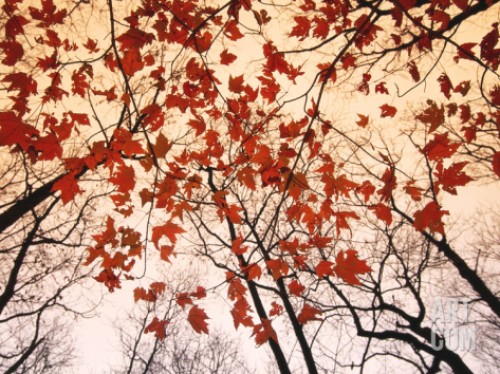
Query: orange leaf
[[363, 120], [169, 229], [348, 266]]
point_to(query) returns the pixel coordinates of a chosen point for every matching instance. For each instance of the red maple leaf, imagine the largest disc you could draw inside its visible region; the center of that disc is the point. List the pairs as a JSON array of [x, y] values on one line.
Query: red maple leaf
[[197, 318], [227, 58], [13, 52], [430, 218], [363, 120], [169, 229], [348, 266], [48, 15], [451, 177], [382, 212], [296, 288], [308, 313], [388, 111], [440, 147], [264, 331], [123, 178], [446, 85], [158, 327]]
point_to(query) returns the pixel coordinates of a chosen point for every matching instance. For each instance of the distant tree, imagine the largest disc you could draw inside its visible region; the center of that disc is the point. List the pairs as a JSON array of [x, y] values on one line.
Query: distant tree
[[305, 149], [182, 350]]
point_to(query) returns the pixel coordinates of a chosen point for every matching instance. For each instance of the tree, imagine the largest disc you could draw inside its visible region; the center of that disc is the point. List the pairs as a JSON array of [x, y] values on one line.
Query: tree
[[41, 274], [181, 351], [230, 130]]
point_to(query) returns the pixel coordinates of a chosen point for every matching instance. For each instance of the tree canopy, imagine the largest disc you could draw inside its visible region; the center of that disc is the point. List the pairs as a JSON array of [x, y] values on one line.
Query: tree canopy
[[302, 150]]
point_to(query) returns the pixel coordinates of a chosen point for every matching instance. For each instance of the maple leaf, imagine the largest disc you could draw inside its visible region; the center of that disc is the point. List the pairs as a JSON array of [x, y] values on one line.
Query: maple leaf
[[489, 53], [301, 28], [169, 229], [132, 62], [232, 31], [14, 131], [227, 58], [382, 212], [252, 271], [278, 268], [183, 299], [246, 176], [161, 146], [296, 288], [13, 52], [414, 192], [48, 15], [141, 294], [68, 185], [308, 313], [197, 318], [348, 266], [166, 251], [158, 327], [451, 177], [124, 178], [21, 82], [388, 111], [276, 309], [380, 88], [15, 26], [496, 163], [413, 69], [363, 120], [465, 52], [237, 246], [445, 84], [324, 268], [264, 331], [440, 147], [134, 39], [432, 115], [430, 218], [240, 315]]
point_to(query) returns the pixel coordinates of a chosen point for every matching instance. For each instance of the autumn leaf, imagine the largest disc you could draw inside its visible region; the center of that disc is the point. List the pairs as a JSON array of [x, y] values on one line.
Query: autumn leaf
[[496, 163], [169, 229], [348, 266], [445, 84], [324, 268], [227, 58], [264, 331], [388, 111], [12, 50], [296, 288], [432, 115], [68, 185], [197, 318], [451, 177], [363, 120], [123, 178], [382, 212], [430, 217], [308, 313], [158, 327], [440, 147]]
